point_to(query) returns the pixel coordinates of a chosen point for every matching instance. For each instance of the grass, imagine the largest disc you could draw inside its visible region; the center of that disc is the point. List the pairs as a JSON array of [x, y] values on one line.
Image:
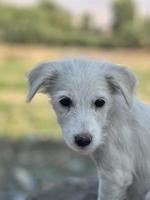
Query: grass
[[18, 118]]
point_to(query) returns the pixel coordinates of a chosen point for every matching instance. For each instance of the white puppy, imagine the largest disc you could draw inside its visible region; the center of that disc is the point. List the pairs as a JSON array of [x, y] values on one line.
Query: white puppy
[[99, 115]]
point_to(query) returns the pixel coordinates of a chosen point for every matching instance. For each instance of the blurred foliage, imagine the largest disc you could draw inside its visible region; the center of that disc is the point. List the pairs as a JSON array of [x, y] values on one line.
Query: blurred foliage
[[42, 23], [145, 34], [48, 23], [124, 13], [124, 29], [86, 23]]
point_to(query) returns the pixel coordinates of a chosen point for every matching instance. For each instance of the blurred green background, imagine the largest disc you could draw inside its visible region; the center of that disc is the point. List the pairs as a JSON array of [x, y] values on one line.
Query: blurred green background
[[50, 30]]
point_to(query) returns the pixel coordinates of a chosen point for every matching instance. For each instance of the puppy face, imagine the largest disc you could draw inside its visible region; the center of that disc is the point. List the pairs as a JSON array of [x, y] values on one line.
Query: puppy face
[[81, 93], [81, 101]]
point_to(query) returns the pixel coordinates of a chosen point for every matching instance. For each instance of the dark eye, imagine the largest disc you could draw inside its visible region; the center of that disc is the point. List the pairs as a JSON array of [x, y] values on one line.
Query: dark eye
[[66, 102], [99, 103]]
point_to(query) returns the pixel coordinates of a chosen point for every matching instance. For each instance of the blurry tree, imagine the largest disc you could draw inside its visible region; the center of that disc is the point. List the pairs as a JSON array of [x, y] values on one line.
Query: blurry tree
[[145, 33], [55, 15], [86, 23], [46, 23], [49, 23], [47, 5], [126, 29], [124, 13]]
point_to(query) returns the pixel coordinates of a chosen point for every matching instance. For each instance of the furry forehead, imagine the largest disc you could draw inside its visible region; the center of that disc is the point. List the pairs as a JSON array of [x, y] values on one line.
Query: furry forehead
[[43, 76]]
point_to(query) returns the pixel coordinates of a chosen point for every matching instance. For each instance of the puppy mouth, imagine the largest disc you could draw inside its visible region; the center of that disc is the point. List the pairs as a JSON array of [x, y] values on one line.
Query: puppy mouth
[[83, 149]]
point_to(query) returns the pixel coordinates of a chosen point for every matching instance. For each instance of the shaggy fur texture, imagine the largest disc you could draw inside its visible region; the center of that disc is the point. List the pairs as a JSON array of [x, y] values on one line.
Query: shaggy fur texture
[[120, 129]]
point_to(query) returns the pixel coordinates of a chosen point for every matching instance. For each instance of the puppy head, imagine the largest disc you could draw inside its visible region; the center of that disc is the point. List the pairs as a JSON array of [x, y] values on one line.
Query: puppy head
[[82, 94]]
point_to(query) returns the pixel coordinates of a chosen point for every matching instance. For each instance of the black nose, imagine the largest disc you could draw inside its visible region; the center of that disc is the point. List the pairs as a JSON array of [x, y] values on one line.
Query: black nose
[[83, 140]]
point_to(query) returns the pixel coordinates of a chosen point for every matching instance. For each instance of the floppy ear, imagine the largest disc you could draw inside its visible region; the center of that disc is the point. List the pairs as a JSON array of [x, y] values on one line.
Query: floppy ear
[[122, 80], [41, 78]]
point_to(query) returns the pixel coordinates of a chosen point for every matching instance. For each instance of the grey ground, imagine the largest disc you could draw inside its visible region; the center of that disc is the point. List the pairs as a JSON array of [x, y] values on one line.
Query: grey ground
[[45, 170]]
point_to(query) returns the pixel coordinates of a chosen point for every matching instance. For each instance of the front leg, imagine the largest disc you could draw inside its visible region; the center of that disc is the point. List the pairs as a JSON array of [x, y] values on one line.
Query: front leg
[[113, 185]]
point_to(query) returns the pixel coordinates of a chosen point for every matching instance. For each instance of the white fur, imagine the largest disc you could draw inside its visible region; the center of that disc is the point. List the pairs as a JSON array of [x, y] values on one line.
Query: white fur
[[120, 129]]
